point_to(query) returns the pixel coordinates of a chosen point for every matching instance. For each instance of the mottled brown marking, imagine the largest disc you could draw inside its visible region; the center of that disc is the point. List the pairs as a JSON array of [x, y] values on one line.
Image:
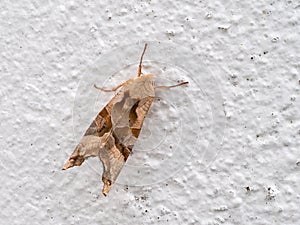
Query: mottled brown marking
[[114, 131], [135, 132], [110, 139]]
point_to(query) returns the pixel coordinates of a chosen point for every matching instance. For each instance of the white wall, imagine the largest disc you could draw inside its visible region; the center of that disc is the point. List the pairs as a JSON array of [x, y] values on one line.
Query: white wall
[[48, 49]]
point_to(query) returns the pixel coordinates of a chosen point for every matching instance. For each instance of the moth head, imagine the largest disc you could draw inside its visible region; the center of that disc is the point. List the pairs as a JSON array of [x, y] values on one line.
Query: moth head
[[148, 75], [147, 78]]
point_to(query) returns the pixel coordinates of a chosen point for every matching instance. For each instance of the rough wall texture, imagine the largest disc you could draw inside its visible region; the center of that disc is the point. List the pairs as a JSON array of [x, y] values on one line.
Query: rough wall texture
[[255, 178]]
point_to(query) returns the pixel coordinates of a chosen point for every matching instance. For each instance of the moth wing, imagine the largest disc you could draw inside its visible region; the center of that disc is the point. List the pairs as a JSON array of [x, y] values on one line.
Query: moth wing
[[91, 141], [114, 131], [122, 137]]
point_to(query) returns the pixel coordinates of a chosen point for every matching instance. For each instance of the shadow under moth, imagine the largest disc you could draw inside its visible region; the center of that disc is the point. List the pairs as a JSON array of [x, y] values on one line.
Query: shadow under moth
[[114, 131]]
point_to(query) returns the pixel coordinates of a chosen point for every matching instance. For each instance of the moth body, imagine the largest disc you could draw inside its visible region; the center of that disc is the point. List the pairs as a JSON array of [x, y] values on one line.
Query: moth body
[[113, 133]]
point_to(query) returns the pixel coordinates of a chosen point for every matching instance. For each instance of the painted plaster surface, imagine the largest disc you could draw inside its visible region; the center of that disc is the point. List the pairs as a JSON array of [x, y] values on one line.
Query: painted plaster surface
[[230, 152]]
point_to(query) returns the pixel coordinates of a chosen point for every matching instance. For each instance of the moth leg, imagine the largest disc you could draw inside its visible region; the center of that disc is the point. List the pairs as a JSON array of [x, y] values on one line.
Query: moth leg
[[141, 60], [111, 90], [176, 85]]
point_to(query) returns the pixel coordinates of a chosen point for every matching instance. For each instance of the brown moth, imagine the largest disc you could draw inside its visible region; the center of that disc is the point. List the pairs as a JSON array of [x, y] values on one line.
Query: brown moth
[[114, 131]]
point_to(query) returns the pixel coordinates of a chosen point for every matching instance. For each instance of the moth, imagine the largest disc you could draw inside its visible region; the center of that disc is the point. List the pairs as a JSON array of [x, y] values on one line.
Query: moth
[[114, 131]]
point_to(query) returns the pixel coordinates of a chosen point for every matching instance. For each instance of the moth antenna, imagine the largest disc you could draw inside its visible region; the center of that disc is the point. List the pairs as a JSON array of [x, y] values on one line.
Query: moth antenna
[[141, 60]]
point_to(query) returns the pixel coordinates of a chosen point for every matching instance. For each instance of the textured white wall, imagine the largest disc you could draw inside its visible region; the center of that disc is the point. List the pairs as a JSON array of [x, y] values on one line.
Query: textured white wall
[[255, 178]]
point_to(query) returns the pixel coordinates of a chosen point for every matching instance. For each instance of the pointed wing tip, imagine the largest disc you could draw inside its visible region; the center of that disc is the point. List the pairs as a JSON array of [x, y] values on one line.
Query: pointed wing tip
[[106, 187], [105, 190], [68, 165]]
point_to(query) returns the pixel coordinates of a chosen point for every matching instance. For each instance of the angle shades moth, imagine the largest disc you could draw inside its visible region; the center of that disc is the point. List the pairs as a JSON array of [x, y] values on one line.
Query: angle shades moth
[[114, 131]]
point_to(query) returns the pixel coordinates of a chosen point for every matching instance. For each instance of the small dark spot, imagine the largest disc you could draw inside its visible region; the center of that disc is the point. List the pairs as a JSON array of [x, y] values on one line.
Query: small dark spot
[[146, 210], [275, 39], [252, 57], [248, 188], [257, 135], [171, 147], [167, 184], [223, 28], [269, 189], [109, 18], [158, 217], [259, 54], [31, 144], [265, 52]]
